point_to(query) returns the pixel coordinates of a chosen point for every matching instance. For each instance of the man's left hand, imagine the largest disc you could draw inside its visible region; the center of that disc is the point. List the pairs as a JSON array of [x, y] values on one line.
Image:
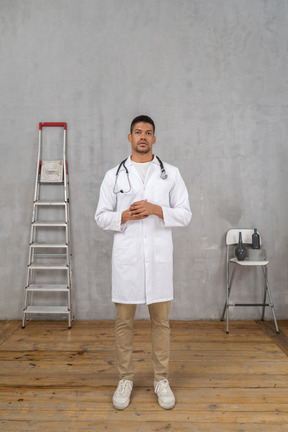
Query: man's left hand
[[145, 208]]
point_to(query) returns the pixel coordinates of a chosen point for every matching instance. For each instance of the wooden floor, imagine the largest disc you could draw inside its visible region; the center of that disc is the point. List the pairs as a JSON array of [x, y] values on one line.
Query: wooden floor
[[55, 379]]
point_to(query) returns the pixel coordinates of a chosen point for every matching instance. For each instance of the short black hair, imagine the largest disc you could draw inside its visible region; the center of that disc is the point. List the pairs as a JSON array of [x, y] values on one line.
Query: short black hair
[[144, 119]]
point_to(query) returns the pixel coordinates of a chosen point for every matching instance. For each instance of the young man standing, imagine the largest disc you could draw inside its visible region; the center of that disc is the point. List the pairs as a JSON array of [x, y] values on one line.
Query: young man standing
[[141, 200]]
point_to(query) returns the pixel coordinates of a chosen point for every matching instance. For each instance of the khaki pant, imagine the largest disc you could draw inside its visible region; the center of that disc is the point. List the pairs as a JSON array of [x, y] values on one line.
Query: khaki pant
[[160, 334]]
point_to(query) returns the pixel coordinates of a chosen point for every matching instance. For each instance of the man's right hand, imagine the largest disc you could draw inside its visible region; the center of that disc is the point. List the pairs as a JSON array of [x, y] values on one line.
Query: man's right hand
[[127, 215]]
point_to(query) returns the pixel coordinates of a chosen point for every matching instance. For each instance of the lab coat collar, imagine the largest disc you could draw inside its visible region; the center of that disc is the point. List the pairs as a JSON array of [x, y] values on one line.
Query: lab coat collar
[[129, 162]]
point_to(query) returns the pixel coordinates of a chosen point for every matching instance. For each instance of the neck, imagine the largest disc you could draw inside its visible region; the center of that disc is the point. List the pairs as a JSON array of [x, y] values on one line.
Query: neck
[[141, 158]]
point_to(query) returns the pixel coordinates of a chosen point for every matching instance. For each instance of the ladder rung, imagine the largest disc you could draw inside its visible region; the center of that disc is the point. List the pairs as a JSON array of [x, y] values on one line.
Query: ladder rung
[[51, 183], [48, 266], [50, 203], [48, 256], [46, 310], [48, 245], [48, 288], [49, 224], [252, 304]]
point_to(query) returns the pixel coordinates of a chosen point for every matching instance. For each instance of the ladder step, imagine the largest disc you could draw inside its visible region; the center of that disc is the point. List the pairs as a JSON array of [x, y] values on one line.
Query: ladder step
[[46, 310], [48, 267], [50, 203], [48, 245], [50, 256], [55, 183], [49, 224], [48, 288]]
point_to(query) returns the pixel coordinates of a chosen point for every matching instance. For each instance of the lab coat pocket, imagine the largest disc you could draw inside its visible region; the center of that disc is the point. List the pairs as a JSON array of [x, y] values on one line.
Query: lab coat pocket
[[124, 249], [163, 248]]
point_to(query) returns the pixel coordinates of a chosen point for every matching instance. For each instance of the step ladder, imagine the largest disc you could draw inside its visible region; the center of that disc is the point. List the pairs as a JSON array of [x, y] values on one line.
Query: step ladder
[[49, 270]]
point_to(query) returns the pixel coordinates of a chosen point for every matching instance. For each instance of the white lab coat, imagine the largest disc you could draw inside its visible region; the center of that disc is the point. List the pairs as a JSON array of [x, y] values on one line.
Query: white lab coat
[[142, 261]]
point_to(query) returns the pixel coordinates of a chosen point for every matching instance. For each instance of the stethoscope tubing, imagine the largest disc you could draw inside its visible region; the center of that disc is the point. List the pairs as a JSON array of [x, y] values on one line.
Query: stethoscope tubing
[[163, 175]]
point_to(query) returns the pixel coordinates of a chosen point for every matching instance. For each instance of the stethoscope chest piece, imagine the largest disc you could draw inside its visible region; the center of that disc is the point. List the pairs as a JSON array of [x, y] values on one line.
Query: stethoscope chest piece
[[163, 175]]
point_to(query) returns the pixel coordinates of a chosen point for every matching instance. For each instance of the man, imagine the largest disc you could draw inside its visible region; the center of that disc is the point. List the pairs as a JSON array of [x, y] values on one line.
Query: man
[[140, 200]]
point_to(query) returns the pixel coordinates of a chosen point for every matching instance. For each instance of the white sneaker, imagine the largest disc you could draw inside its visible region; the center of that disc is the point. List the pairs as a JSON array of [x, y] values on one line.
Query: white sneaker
[[165, 395], [121, 397]]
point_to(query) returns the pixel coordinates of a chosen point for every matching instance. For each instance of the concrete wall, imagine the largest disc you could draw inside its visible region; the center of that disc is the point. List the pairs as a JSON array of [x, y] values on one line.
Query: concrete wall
[[213, 75]]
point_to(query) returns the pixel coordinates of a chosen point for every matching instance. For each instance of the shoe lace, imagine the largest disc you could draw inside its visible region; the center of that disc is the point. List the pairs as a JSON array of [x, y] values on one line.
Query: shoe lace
[[163, 387], [124, 386]]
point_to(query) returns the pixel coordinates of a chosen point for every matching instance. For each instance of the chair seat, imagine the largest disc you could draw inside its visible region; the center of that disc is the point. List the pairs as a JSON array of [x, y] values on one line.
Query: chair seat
[[249, 263]]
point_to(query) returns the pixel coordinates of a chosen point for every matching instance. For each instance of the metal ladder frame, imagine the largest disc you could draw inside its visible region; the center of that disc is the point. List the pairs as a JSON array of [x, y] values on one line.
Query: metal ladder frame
[[31, 288]]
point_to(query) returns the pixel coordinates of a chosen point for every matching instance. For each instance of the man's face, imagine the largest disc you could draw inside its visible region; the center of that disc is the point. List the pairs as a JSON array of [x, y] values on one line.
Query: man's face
[[142, 138]]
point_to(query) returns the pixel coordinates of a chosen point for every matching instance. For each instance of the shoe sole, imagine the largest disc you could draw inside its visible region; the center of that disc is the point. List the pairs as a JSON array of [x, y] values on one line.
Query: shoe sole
[[167, 407], [120, 406]]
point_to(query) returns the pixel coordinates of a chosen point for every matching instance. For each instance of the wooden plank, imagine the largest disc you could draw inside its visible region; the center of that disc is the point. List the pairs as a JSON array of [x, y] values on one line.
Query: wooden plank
[[92, 355], [194, 329], [22, 409], [215, 396], [132, 426], [192, 380], [145, 413], [59, 343], [192, 366]]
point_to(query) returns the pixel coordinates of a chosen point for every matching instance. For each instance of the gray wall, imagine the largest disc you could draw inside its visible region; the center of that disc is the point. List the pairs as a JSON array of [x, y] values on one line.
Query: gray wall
[[213, 75]]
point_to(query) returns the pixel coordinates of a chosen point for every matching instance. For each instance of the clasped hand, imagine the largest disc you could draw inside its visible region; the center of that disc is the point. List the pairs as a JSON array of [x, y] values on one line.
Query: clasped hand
[[141, 210]]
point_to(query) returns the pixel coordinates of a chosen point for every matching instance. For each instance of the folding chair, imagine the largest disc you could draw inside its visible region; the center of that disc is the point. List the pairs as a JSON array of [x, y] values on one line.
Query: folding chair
[[232, 237]]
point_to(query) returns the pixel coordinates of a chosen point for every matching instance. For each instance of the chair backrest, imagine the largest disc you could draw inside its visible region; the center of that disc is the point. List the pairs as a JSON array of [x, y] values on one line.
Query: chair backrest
[[232, 236]]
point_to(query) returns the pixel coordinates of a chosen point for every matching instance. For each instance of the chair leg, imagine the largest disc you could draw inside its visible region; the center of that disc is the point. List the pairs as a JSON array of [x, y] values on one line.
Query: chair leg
[[226, 306], [265, 293], [226, 310], [227, 320], [270, 298]]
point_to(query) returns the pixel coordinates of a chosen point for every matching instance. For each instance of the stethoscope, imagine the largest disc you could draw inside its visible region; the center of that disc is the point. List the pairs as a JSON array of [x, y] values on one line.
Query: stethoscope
[[163, 175]]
